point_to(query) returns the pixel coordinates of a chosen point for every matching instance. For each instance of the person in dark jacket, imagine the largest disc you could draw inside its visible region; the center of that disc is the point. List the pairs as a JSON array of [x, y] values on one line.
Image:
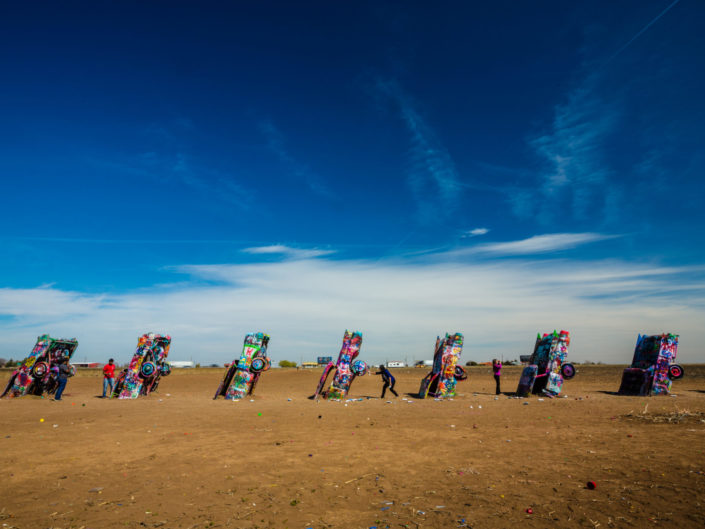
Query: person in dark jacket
[[388, 380], [497, 372], [63, 377]]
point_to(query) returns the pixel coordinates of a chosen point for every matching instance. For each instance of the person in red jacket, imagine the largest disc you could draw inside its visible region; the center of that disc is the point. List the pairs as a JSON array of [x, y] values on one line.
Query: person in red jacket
[[108, 376]]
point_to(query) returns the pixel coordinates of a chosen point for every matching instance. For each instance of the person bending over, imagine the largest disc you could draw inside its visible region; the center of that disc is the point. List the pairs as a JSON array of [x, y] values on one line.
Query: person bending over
[[63, 377], [388, 380]]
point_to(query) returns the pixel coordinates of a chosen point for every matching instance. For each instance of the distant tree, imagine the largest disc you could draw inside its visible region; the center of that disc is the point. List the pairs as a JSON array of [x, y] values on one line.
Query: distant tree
[[286, 363], [11, 363], [3, 361], [198, 365], [471, 363]]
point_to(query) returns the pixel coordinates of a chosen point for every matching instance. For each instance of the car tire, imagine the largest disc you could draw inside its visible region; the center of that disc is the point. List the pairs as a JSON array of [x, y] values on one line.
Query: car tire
[[568, 371], [257, 365], [675, 371], [359, 368], [148, 369], [40, 369]]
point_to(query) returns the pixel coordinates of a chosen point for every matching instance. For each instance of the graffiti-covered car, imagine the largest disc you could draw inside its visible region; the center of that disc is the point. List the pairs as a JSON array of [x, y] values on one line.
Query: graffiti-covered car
[[547, 367], [653, 367], [344, 370], [147, 366], [445, 373], [243, 373], [38, 372]]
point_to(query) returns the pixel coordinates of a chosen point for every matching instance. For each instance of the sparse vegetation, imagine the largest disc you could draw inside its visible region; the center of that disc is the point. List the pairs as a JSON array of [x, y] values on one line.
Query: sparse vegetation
[[287, 363], [676, 416]]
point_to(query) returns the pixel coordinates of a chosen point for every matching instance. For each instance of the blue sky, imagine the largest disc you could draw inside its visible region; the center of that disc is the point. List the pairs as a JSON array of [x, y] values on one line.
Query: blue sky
[[401, 169]]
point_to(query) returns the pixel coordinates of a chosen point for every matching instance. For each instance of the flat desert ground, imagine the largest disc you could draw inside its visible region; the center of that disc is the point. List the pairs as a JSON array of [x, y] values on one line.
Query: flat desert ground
[[180, 459]]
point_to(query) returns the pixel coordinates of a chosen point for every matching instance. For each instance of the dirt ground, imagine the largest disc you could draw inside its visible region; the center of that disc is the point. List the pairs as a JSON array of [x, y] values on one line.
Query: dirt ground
[[179, 459]]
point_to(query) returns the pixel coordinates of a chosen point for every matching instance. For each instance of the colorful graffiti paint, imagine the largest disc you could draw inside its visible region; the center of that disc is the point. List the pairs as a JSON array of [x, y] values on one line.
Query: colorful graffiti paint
[[653, 366], [146, 368], [38, 372], [442, 380], [548, 368], [243, 373], [345, 370]]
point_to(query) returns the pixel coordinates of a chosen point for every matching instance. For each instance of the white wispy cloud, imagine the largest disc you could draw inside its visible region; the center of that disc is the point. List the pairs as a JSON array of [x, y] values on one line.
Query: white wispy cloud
[[433, 177], [399, 304], [476, 232], [574, 151], [288, 251], [179, 168], [537, 244], [277, 144], [576, 146]]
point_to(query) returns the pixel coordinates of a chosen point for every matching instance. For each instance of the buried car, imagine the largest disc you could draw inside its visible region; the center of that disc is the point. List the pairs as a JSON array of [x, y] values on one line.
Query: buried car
[[446, 372], [345, 369], [653, 367], [147, 366], [242, 375], [38, 372], [547, 366]]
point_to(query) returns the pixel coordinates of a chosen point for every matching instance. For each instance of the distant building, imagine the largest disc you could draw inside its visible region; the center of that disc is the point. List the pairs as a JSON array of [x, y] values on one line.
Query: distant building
[[424, 363], [182, 363], [396, 364], [88, 364], [308, 365]]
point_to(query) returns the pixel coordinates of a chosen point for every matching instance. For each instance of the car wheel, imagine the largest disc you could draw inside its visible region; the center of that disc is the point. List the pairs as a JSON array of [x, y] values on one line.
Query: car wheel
[[148, 369], [568, 371], [40, 369], [257, 365], [359, 368], [675, 372]]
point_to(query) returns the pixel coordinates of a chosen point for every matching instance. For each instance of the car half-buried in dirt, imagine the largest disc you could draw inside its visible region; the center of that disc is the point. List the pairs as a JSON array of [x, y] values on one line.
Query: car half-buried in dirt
[[653, 367], [242, 375], [147, 366], [445, 373], [38, 372], [345, 369], [547, 367]]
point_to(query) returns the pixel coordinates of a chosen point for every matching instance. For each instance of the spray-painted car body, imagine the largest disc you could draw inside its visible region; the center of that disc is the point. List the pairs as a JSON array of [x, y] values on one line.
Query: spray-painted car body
[[242, 375], [442, 380], [653, 367], [38, 372], [147, 366], [345, 369], [547, 367]]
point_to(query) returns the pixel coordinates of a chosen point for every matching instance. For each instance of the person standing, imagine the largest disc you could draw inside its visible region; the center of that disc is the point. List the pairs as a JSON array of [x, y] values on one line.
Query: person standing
[[388, 380], [108, 376], [497, 372], [63, 377]]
